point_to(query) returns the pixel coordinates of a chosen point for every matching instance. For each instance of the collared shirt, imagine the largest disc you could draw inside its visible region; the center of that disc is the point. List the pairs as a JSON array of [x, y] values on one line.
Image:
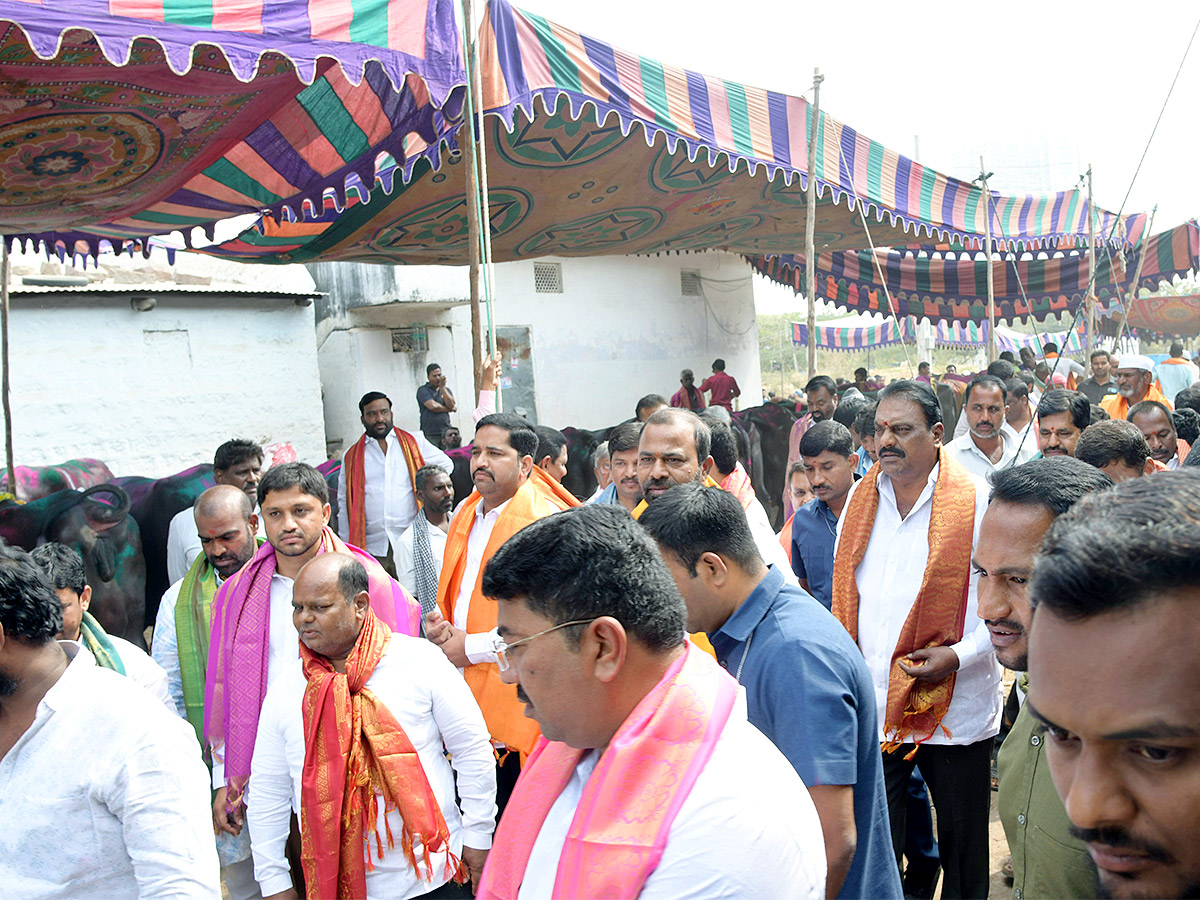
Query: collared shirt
[[434, 706], [1047, 860], [388, 491], [1095, 391], [724, 388], [607, 496], [808, 690], [405, 553], [767, 541], [975, 461], [888, 580], [432, 423], [141, 669], [183, 543], [104, 795], [864, 462], [478, 647], [814, 531], [747, 830], [1174, 375]]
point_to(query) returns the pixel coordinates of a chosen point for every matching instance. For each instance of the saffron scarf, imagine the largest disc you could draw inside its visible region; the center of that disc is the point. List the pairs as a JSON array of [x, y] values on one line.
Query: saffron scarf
[[93, 636], [1118, 407], [539, 496], [738, 483], [193, 623], [915, 708], [355, 480], [641, 781], [236, 677], [355, 752]]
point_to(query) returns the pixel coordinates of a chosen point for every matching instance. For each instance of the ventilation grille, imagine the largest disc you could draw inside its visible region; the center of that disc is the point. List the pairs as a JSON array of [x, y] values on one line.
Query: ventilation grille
[[689, 283], [410, 339], [547, 278]]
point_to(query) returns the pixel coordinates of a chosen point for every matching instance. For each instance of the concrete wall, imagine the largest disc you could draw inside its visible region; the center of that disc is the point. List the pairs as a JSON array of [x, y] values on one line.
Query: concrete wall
[[151, 393], [620, 329]]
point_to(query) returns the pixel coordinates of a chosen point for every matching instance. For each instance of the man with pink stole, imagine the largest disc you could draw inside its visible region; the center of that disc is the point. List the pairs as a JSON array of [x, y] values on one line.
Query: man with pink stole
[[253, 638], [648, 781]]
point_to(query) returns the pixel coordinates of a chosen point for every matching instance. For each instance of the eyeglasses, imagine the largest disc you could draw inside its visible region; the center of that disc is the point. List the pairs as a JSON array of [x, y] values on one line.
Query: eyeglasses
[[500, 647]]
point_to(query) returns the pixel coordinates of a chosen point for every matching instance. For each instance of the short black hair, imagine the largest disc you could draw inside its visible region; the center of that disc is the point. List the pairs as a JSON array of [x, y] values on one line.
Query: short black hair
[[1007, 356], [986, 381], [521, 436], [864, 422], [821, 381], [30, 611], [672, 416], [586, 562], [862, 371], [624, 437], [1149, 406], [690, 520], [371, 397], [1176, 348], [1187, 424], [1050, 347], [796, 465], [1056, 482], [649, 402], [1121, 547], [719, 364], [235, 452], [352, 578], [1099, 353], [62, 565], [294, 474], [550, 442], [1016, 387], [919, 393], [1060, 400], [723, 446], [429, 369], [1112, 441], [827, 435], [1189, 397], [848, 408], [1002, 369], [1193, 457], [421, 476], [1099, 414]]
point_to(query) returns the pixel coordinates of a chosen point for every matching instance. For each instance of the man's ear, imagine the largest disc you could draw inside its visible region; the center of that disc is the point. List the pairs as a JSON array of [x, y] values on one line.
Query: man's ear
[[85, 599], [712, 569], [1148, 466], [606, 644], [325, 511], [361, 601], [253, 523], [526, 466], [706, 466]]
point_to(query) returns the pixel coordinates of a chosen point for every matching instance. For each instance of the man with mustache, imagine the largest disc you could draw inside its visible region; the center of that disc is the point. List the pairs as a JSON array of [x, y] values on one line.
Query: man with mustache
[[829, 464], [989, 444], [625, 487], [1061, 417], [510, 493], [376, 487], [903, 587], [422, 547], [1047, 861], [1135, 383], [1113, 671], [1117, 449], [1154, 421], [822, 397]]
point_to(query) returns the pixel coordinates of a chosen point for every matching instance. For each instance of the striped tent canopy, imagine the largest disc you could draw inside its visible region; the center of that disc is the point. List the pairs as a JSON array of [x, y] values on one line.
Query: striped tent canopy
[[126, 118], [594, 151], [857, 337], [975, 334]]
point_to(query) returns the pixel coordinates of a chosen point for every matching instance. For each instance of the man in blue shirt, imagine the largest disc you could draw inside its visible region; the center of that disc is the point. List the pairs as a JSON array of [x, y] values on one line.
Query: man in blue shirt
[[807, 685], [829, 462]]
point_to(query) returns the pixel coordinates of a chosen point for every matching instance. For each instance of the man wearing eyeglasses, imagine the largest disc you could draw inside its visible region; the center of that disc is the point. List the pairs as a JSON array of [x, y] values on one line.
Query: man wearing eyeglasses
[[650, 782]]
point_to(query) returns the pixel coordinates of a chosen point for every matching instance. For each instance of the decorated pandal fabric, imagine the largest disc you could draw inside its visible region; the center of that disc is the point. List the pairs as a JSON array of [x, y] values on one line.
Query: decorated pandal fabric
[[849, 338], [1170, 315]]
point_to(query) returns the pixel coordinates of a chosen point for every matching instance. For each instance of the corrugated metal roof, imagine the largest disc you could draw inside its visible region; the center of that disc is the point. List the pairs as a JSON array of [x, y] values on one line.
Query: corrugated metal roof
[[153, 288]]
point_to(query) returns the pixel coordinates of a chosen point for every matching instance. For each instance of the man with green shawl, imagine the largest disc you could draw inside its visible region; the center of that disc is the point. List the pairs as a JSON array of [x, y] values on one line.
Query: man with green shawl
[[226, 525], [64, 567]]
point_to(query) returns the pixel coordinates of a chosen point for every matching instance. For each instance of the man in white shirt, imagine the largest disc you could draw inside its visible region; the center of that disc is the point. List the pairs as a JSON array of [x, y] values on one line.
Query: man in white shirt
[[102, 789], [64, 567], [652, 783], [226, 526], [236, 462], [376, 502], [420, 702], [422, 547], [989, 444], [904, 588]]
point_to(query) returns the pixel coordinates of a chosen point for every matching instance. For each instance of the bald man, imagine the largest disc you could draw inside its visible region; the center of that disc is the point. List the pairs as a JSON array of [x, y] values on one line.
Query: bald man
[[350, 659], [227, 527]]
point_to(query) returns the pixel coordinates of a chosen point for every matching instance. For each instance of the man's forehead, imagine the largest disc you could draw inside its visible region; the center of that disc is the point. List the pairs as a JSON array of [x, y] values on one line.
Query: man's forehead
[[668, 435], [1056, 420], [289, 496], [898, 409], [1152, 417], [493, 437], [1130, 373]]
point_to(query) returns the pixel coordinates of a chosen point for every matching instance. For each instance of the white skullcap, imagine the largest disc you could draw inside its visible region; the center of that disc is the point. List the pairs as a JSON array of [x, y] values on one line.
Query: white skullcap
[[1136, 361]]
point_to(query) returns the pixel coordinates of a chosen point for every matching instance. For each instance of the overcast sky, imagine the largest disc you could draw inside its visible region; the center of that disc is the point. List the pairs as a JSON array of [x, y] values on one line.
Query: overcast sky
[[1041, 91]]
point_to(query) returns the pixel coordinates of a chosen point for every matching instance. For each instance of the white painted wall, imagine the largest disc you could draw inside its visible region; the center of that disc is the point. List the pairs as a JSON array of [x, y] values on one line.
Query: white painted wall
[[152, 393], [620, 329]]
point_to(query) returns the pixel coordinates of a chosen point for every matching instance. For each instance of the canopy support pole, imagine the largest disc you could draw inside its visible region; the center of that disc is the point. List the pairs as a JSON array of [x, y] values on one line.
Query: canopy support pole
[[991, 276], [1137, 276], [4, 381], [1091, 294], [473, 225], [810, 225]]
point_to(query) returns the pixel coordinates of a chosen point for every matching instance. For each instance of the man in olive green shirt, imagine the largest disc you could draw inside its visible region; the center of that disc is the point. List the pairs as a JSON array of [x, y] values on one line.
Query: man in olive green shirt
[[1047, 861]]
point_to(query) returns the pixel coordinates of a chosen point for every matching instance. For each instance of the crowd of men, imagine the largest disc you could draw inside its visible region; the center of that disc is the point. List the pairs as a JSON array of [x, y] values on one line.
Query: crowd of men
[[649, 693]]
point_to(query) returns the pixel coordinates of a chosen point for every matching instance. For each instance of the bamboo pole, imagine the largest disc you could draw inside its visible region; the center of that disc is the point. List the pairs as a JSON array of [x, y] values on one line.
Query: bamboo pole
[[4, 380], [1090, 300], [991, 276], [1137, 276], [472, 202], [810, 225]]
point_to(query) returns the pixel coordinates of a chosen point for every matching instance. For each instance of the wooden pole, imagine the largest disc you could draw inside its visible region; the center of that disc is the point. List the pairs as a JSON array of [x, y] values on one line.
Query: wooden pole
[[472, 201], [991, 276], [4, 381], [1091, 294], [1137, 276], [810, 225]]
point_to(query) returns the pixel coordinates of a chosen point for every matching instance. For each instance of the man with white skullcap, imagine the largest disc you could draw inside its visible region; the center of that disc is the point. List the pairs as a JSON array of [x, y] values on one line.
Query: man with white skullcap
[[1135, 383]]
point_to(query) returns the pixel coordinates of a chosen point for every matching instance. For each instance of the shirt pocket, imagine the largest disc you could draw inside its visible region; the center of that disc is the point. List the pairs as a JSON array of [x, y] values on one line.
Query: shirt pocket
[[1055, 869]]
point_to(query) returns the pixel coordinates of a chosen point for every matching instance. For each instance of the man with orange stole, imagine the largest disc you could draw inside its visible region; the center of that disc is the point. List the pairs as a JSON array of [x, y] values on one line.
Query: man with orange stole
[[351, 738], [649, 782], [904, 588]]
